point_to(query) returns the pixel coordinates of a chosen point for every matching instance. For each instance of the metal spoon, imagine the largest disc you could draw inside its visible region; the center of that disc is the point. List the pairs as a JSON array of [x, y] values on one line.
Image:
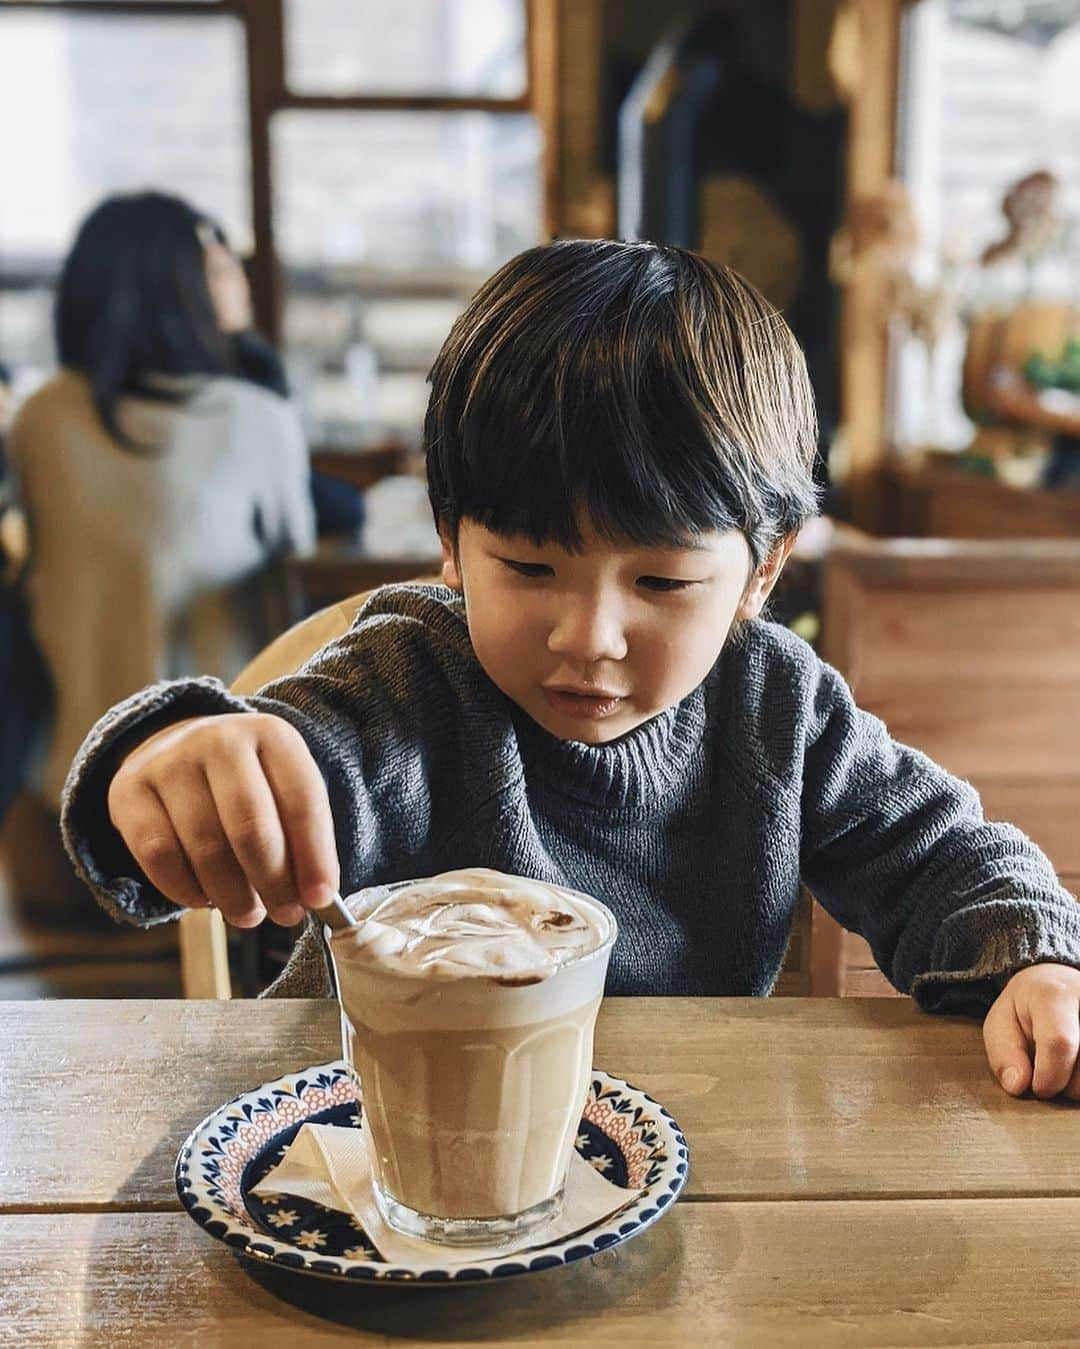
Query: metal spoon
[[336, 915]]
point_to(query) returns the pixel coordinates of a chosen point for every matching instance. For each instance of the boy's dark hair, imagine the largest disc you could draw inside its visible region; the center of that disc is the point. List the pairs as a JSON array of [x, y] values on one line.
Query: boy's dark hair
[[637, 384]]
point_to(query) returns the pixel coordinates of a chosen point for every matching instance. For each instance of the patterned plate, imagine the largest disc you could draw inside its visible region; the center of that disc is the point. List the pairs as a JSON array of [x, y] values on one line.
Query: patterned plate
[[628, 1137]]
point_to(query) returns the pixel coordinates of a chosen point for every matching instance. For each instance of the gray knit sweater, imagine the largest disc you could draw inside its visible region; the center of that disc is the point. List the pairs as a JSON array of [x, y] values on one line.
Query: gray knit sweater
[[696, 828]]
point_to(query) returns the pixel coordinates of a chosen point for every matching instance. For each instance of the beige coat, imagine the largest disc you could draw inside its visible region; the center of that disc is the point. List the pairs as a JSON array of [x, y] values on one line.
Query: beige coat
[[150, 566]]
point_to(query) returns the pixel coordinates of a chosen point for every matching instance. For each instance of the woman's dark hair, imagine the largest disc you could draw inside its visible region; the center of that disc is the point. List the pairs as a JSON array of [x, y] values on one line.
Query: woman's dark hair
[[637, 384], [133, 301]]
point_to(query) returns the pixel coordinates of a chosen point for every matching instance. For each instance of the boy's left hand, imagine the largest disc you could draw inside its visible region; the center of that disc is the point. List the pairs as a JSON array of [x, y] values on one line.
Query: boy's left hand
[[1037, 1014]]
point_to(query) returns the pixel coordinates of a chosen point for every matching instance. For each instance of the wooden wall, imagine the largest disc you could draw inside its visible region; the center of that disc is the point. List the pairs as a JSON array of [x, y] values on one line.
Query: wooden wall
[[970, 652]]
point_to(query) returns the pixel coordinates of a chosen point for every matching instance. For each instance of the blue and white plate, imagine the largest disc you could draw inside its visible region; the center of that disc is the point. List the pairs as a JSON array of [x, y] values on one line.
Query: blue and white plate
[[628, 1137]]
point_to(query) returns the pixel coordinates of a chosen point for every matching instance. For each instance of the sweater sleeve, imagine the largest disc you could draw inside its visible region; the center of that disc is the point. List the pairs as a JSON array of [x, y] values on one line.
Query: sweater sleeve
[[96, 850], [898, 850], [386, 711]]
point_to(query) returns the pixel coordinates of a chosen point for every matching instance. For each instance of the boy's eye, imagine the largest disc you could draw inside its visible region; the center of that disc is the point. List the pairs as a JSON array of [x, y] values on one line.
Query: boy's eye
[[526, 568], [664, 583]]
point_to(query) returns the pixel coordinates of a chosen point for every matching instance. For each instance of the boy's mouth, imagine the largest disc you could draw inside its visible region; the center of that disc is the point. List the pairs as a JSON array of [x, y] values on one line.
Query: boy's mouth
[[587, 704]]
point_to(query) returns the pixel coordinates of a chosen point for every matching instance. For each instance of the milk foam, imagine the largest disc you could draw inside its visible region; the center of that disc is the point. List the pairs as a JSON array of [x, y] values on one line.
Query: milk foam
[[475, 922], [468, 1004]]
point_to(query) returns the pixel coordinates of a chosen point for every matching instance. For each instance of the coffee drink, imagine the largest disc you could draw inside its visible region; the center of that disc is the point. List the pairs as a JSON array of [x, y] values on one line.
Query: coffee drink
[[471, 1000]]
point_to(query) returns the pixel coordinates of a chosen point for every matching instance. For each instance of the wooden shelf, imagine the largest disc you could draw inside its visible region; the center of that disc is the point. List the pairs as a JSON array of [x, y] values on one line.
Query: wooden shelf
[[937, 501]]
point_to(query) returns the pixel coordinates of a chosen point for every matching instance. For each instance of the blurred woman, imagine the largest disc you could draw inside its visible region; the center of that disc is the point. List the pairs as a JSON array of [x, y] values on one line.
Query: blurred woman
[[162, 470]]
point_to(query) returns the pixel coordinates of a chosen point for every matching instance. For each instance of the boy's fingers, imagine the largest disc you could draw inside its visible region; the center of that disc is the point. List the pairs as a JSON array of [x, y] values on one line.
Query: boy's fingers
[[304, 810], [249, 818], [288, 915], [1007, 1048], [144, 825], [1055, 1026], [209, 853]]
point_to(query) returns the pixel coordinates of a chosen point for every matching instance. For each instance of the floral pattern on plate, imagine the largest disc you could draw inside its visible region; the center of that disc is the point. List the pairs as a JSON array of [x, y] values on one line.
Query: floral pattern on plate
[[627, 1136]]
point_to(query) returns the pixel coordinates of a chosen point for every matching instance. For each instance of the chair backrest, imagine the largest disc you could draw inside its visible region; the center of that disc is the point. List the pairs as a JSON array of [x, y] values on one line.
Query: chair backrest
[[204, 962], [289, 651]]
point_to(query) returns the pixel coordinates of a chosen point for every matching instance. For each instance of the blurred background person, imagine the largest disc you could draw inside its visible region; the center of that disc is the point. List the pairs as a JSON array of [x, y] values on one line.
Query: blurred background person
[[339, 507], [162, 471]]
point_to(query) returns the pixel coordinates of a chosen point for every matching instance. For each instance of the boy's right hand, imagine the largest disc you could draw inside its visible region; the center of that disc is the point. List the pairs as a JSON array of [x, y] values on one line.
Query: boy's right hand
[[229, 811]]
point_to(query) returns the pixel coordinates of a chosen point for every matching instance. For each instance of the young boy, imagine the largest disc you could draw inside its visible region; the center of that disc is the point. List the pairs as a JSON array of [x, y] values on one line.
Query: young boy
[[619, 446]]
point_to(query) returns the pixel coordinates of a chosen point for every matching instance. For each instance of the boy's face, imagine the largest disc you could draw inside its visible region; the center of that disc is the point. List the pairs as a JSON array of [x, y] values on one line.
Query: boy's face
[[593, 644]]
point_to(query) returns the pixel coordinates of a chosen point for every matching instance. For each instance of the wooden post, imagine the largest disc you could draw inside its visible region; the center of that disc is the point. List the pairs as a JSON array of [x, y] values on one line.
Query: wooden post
[[204, 955], [874, 35], [543, 18], [264, 33]]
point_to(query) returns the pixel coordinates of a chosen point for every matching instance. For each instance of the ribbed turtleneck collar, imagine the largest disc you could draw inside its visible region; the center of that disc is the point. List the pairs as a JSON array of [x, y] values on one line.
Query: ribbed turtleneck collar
[[640, 772]]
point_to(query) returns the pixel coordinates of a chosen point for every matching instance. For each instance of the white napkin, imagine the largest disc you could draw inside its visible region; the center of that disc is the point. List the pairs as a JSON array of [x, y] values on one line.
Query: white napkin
[[328, 1164]]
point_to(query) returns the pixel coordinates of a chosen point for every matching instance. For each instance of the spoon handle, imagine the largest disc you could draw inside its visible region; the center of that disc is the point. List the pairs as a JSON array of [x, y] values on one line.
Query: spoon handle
[[336, 915]]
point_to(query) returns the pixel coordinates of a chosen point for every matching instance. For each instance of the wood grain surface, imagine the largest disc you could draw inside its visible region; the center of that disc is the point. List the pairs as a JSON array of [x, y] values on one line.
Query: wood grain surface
[[785, 1276], [780, 1098]]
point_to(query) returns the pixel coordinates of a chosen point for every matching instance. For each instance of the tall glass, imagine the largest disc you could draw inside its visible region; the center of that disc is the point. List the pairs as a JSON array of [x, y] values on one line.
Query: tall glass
[[472, 1086]]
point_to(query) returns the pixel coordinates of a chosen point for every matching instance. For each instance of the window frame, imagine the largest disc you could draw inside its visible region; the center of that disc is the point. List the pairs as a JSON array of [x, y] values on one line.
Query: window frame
[[268, 93]]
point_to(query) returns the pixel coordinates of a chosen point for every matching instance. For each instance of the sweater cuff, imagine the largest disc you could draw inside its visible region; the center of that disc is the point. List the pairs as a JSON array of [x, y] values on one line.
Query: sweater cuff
[[307, 974], [973, 961], [98, 853]]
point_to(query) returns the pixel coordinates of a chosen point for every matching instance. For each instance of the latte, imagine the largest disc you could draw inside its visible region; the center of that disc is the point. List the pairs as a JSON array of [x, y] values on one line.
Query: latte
[[471, 999]]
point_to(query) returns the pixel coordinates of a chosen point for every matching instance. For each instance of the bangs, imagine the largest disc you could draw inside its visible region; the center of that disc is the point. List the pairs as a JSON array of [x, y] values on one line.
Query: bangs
[[581, 433]]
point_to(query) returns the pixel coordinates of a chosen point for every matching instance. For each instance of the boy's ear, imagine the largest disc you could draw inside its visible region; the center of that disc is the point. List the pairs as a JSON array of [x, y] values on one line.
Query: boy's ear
[[766, 576], [450, 574]]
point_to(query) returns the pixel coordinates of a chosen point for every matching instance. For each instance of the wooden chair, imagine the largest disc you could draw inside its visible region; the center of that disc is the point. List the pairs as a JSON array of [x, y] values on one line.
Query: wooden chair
[[969, 651], [204, 961]]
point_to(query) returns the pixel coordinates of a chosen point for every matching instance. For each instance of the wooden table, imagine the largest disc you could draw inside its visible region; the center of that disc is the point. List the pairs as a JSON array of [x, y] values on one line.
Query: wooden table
[[857, 1178], [340, 566]]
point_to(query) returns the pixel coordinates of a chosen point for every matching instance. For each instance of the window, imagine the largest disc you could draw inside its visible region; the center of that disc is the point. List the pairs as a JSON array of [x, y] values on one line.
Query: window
[[989, 94], [392, 203], [100, 103], [386, 223], [447, 47], [394, 157]]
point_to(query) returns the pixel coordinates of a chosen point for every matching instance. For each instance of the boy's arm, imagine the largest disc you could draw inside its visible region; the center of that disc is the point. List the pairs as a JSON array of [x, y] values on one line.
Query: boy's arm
[[372, 707], [97, 852], [897, 849]]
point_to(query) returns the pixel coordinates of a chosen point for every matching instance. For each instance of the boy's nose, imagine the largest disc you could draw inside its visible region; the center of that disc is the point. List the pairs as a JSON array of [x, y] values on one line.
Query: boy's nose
[[587, 633]]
